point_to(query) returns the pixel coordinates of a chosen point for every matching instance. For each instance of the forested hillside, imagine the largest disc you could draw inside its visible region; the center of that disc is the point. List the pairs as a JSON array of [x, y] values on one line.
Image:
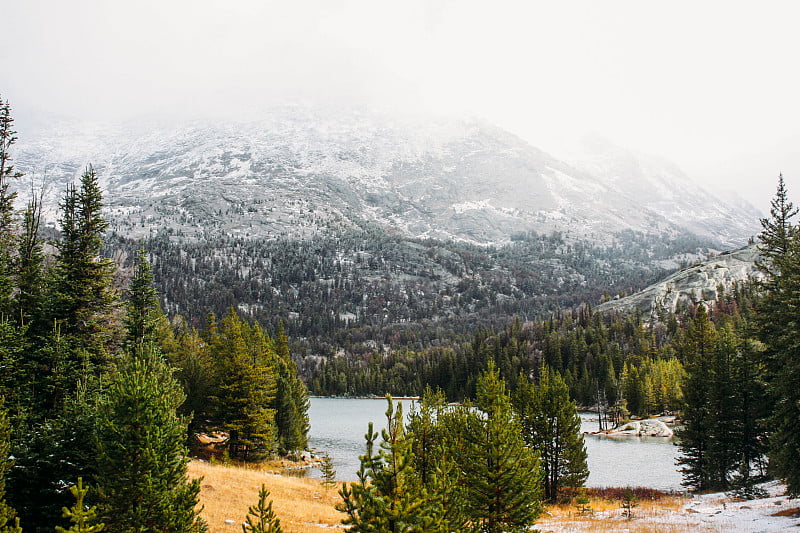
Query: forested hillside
[[368, 285], [605, 359]]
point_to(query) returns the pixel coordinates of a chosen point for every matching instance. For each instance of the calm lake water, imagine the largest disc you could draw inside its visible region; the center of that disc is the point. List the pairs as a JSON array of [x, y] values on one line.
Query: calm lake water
[[338, 427]]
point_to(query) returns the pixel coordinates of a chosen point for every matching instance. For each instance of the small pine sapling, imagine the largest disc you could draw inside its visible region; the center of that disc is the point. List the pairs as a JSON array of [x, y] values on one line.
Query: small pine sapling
[[583, 503], [79, 515], [261, 518], [328, 472], [629, 501]]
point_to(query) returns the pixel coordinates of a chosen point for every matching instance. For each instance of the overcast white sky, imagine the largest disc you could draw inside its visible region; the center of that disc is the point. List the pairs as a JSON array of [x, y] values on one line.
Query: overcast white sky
[[712, 85]]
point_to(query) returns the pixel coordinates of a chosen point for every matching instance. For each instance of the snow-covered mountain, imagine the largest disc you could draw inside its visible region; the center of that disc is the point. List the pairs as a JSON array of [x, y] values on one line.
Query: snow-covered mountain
[[300, 172]]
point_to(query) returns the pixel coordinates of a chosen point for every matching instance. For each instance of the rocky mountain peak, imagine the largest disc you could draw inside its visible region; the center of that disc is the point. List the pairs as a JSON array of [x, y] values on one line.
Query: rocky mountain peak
[[300, 171]]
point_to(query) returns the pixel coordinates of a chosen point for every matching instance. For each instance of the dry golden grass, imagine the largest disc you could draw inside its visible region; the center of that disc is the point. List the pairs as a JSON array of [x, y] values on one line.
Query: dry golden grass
[[648, 517], [303, 505]]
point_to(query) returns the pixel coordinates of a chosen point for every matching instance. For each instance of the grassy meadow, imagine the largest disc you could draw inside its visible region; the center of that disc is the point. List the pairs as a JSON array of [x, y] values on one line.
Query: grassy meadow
[[305, 506]]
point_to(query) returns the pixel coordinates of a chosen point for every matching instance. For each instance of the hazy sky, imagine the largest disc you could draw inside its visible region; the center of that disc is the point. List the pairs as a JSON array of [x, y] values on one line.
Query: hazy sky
[[713, 86]]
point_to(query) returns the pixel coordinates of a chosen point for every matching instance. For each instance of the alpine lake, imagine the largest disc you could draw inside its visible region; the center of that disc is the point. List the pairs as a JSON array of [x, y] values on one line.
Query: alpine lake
[[338, 426]]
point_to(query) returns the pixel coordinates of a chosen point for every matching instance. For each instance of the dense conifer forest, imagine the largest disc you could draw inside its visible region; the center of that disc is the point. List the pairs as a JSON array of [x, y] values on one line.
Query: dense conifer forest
[[615, 357], [366, 284]]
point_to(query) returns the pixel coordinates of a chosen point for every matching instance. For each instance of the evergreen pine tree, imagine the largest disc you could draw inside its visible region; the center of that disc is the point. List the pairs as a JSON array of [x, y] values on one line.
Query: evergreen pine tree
[[387, 497], [777, 234], [696, 437], [551, 425], [438, 442], [245, 390], [141, 453], [502, 476], [633, 389], [328, 471], [84, 299], [28, 314], [143, 309], [82, 518], [7, 234], [780, 247], [751, 411], [260, 517], [723, 446], [291, 399], [426, 427], [30, 277]]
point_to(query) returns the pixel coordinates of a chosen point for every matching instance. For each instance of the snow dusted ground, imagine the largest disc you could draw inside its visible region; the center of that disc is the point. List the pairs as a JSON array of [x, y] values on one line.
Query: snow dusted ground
[[750, 515], [708, 512]]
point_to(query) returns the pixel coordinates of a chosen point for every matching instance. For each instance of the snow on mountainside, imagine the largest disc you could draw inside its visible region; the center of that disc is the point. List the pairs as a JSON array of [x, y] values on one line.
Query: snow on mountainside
[[666, 190], [300, 172]]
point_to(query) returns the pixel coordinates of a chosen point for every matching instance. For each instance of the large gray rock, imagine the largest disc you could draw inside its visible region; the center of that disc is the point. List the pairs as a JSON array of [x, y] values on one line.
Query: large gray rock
[[641, 428], [698, 284]]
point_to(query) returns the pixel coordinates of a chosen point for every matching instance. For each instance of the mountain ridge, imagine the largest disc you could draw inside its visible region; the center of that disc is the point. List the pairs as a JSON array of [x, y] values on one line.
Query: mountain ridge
[[299, 173]]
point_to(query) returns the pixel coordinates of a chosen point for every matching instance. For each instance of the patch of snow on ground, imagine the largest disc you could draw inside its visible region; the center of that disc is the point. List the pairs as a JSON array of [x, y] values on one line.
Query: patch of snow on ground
[[748, 515], [707, 512]]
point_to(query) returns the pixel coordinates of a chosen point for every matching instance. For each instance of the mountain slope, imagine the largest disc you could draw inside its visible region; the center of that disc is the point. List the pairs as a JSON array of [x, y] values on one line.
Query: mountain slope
[[698, 284], [300, 172]]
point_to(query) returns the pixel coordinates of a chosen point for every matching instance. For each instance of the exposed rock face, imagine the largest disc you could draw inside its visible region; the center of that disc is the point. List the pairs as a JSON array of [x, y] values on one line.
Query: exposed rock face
[[698, 284], [641, 428], [301, 172]]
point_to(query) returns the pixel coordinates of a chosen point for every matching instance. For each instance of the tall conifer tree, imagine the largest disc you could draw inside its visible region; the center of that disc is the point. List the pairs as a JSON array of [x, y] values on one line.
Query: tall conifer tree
[[245, 390], [30, 275], [291, 400], [84, 299], [778, 232], [7, 235], [551, 425], [502, 476], [143, 310], [696, 438], [141, 451], [778, 329]]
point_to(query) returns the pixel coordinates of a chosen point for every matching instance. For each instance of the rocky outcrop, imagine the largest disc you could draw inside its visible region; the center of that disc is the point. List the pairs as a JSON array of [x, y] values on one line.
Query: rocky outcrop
[[702, 283], [641, 428]]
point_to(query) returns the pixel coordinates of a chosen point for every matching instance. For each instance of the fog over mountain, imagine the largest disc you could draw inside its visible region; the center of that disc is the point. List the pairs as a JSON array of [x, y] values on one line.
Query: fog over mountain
[[299, 171]]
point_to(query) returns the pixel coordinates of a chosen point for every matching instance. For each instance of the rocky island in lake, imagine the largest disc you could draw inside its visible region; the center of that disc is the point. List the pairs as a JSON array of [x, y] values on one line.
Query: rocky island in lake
[[652, 427]]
